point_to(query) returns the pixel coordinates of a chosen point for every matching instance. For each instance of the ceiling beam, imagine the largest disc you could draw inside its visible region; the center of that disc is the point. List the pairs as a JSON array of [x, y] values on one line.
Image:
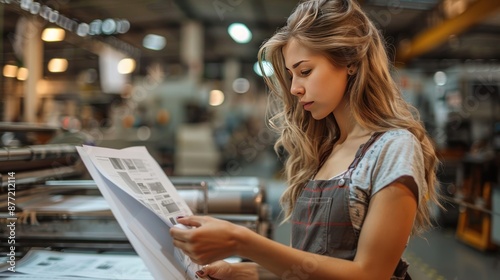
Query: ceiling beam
[[185, 8], [436, 35]]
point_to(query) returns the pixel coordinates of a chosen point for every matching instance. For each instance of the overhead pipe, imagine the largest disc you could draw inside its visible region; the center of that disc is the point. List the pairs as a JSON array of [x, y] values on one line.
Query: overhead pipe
[[436, 35]]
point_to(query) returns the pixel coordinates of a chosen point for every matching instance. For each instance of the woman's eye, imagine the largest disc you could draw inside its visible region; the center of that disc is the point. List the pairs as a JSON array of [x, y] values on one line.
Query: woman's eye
[[305, 72]]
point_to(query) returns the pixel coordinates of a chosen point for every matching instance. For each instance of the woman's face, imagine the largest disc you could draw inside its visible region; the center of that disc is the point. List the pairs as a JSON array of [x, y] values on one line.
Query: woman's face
[[316, 81]]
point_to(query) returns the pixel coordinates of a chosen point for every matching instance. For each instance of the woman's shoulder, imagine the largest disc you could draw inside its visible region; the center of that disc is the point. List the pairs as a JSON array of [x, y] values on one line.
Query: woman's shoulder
[[398, 133], [395, 154], [397, 137], [394, 143]]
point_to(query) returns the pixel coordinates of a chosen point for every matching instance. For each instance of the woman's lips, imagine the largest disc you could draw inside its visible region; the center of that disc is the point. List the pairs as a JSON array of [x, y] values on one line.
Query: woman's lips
[[307, 105]]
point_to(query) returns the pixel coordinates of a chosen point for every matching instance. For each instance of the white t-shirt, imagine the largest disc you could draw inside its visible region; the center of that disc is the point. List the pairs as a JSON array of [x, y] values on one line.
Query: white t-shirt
[[395, 156]]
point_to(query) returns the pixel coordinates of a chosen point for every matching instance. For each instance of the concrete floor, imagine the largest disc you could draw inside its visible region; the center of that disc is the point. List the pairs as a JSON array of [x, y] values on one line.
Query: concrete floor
[[442, 256]]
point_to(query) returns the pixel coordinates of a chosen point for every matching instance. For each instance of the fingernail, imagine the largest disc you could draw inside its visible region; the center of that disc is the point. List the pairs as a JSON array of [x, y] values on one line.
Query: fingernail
[[179, 217], [200, 273]]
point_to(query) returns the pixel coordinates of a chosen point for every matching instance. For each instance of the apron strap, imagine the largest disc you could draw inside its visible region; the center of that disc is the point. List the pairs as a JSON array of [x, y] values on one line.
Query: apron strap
[[401, 271], [361, 152]]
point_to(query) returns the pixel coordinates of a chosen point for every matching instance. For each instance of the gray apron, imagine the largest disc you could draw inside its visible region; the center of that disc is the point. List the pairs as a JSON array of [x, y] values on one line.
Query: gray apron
[[320, 220]]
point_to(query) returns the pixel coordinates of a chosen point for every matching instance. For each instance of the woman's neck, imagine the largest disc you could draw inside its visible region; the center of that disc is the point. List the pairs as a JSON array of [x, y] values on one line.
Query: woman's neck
[[348, 126]]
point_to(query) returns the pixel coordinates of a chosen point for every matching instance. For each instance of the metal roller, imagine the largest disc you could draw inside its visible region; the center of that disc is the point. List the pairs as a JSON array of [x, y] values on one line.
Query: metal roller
[[36, 152], [226, 200], [11, 154], [242, 195], [37, 163], [226, 195]]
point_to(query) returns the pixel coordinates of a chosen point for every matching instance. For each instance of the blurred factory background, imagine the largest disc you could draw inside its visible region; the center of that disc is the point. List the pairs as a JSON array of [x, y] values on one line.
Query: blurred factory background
[[179, 77]]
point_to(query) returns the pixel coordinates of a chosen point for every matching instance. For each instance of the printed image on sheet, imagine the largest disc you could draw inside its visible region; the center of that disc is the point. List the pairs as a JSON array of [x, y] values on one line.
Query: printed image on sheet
[[117, 163], [131, 183]]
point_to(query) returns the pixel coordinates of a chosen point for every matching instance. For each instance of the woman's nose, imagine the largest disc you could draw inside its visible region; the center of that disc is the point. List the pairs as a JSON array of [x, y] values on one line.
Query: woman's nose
[[296, 89]]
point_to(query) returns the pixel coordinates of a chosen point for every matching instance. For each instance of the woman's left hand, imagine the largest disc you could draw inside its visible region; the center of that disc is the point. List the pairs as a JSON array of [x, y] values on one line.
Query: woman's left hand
[[208, 240]]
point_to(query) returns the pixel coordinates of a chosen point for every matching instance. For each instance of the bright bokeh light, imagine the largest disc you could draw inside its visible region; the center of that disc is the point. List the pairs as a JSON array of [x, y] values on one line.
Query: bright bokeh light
[[440, 78], [22, 74], [154, 42], [268, 68], [53, 34], [126, 66], [216, 97], [10, 71], [58, 65], [240, 33], [241, 85], [143, 133]]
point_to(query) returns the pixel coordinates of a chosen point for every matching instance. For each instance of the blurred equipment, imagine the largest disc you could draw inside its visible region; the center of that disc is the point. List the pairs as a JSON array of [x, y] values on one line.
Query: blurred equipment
[[71, 214], [45, 191], [60, 214], [241, 200], [35, 163], [196, 152], [475, 199]]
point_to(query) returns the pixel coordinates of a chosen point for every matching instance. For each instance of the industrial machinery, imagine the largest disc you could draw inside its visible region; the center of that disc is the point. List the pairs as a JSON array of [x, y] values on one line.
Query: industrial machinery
[[46, 192]]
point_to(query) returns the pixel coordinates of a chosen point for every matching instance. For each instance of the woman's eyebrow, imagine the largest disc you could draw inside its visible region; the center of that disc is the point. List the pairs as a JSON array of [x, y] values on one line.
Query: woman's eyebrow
[[297, 64]]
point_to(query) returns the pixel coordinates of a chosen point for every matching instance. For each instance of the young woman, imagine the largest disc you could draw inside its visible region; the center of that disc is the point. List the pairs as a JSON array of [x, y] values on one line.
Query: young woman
[[360, 167]]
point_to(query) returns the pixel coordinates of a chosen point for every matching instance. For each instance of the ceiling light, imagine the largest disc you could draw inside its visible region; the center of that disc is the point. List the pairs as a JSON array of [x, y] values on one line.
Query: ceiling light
[[53, 34], [216, 97], [83, 29], [440, 78], [108, 26], [10, 71], [241, 85], [240, 33], [22, 74], [58, 65], [154, 42], [268, 68], [126, 66]]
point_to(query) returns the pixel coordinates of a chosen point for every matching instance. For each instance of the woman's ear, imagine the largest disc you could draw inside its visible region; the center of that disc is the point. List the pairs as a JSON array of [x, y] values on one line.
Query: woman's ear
[[351, 69]]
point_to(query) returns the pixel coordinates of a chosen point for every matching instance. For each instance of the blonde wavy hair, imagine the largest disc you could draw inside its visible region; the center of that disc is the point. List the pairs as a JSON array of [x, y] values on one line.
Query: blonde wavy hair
[[340, 30]]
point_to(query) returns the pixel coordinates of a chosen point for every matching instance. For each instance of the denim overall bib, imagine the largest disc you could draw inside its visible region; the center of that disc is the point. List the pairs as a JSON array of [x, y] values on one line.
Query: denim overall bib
[[320, 219]]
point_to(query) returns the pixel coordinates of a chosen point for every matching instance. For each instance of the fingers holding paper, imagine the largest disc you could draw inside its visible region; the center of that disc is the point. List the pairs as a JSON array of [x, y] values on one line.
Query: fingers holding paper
[[208, 239], [234, 271]]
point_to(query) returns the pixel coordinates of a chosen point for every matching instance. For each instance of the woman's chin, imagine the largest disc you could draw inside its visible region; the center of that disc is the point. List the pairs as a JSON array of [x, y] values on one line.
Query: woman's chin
[[318, 116]]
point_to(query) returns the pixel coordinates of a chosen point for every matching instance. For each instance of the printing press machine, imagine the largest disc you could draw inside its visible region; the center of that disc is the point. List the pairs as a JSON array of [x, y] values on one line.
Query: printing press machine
[[50, 177]]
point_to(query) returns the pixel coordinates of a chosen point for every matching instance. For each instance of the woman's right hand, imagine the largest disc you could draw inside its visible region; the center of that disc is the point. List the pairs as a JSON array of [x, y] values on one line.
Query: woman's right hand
[[223, 270]]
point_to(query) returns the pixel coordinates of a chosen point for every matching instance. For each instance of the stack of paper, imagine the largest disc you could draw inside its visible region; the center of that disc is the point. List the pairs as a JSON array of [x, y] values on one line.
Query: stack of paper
[[145, 203]]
